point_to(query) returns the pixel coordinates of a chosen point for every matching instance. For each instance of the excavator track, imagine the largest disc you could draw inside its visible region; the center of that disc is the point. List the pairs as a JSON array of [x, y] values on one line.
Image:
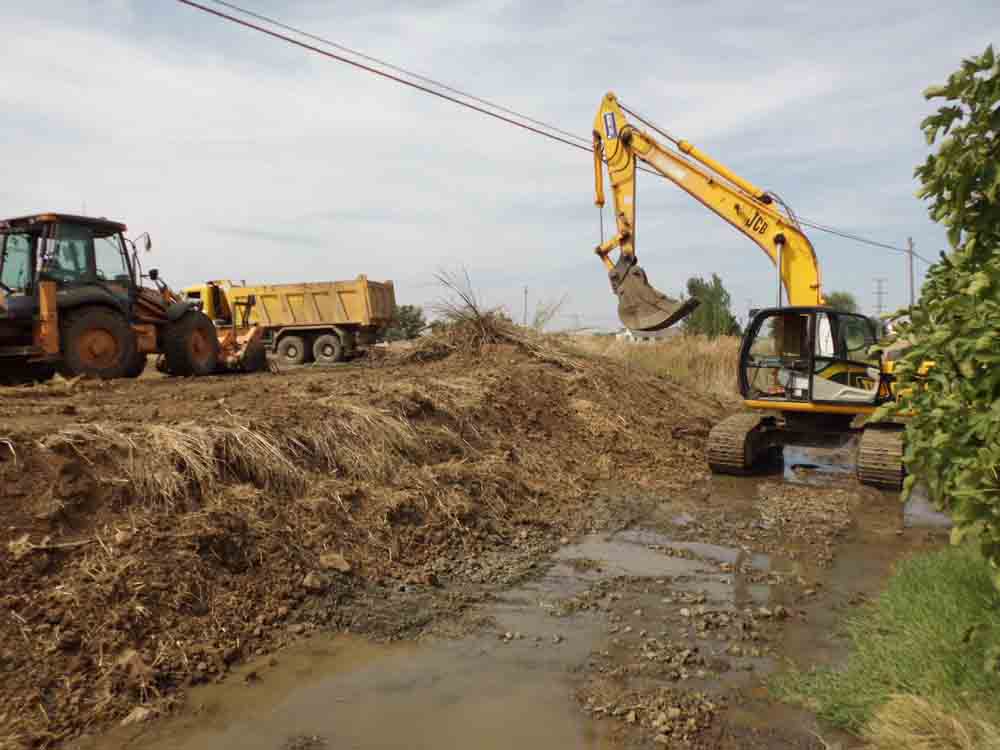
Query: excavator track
[[733, 444], [880, 457]]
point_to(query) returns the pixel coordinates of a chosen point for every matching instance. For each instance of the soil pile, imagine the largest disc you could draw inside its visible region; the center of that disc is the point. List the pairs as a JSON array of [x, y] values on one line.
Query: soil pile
[[156, 531]]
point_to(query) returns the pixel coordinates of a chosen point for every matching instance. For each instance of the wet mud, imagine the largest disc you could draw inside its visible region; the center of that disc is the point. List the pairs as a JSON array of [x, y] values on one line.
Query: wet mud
[[661, 633]]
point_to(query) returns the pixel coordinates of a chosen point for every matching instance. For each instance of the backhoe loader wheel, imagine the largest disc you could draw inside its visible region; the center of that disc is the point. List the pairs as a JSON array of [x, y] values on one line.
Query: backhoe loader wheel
[[190, 345], [97, 343], [292, 350], [328, 349], [137, 367]]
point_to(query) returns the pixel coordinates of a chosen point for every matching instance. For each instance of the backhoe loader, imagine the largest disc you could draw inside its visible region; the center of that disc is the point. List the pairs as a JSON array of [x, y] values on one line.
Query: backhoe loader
[[72, 301], [804, 370]]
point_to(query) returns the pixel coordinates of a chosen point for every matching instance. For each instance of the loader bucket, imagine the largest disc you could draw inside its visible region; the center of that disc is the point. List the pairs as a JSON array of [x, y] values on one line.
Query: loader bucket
[[241, 350], [643, 308]]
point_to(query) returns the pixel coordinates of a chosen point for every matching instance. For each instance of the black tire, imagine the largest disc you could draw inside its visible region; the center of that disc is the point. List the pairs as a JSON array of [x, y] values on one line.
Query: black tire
[[97, 343], [292, 350], [137, 367], [254, 358], [41, 372], [26, 373], [328, 349], [190, 345]]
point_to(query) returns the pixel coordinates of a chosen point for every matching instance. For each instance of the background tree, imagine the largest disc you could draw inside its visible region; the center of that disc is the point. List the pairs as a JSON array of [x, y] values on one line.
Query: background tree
[[843, 301], [714, 316], [952, 439], [407, 323]]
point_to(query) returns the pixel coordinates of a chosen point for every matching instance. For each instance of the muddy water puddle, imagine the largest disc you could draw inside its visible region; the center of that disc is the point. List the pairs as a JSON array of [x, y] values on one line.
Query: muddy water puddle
[[512, 686], [636, 606]]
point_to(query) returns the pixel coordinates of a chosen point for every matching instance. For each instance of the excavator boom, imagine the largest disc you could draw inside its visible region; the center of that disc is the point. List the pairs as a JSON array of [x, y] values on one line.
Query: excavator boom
[[750, 210]]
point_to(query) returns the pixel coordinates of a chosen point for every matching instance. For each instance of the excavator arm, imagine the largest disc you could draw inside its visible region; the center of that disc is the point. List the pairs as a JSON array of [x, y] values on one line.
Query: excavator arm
[[746, 207]]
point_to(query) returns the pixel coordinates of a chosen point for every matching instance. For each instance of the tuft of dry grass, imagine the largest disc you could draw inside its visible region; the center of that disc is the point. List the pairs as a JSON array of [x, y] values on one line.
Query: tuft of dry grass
[[169, 464], [358, 441], [697, 362], [913, 723], [465, 326]]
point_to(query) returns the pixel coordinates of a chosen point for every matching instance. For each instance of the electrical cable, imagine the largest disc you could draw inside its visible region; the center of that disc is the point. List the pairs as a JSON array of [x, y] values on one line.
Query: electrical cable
[[784, 204], [577, 141], [376, 71], [398, 69]]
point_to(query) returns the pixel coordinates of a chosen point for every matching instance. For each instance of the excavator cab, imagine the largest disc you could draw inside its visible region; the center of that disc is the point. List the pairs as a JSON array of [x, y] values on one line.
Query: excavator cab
[[811, 355]]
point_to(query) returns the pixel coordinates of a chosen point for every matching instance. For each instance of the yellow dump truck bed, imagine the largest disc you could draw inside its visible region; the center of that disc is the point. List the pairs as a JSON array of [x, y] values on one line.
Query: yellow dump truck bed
[[359, 302]]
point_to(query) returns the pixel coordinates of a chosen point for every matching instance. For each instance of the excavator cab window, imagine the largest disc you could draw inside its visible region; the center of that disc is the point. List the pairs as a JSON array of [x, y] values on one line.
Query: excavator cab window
[[848, 374], [776, 364], [810, 355]]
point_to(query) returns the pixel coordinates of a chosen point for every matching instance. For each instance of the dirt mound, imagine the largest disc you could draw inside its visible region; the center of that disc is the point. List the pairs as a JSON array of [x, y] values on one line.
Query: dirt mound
[[156, 531]]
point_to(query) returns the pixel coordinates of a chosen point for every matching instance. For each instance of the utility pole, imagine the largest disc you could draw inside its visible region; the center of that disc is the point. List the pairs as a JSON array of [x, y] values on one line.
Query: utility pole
[[909, 265], [880, 295], [525, 320]]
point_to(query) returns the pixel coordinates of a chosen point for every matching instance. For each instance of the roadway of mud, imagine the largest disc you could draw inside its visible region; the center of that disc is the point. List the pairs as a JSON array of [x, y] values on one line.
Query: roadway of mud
[[487, 551], [659, 634]]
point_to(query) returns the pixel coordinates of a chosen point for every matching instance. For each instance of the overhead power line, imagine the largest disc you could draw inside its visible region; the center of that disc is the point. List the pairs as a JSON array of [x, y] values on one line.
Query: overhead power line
[[863, 240], [399, 69], [376, 71], [481, 105]]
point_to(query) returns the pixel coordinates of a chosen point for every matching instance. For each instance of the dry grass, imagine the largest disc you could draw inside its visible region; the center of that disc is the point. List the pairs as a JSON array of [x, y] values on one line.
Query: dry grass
[[169, 464], [917, 724], [697, 362], [358, 441], [465, 326]]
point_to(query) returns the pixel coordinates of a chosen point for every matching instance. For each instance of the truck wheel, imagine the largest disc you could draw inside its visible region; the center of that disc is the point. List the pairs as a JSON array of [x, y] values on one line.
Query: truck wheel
[[190, 345], [137, 367], [328, 349], [292, 350], [96, 343]]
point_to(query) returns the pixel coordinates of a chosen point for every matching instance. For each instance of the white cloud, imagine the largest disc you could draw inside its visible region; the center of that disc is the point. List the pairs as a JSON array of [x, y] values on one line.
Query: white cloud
[[248, 158]]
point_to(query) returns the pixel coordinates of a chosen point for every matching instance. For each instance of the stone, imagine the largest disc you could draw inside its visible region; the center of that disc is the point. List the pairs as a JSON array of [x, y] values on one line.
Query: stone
[[137, 715], [313, 582], [334, 561]]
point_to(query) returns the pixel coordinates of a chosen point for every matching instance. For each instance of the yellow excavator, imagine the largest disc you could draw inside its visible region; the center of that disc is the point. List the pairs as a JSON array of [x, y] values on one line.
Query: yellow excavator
[[805, 369]]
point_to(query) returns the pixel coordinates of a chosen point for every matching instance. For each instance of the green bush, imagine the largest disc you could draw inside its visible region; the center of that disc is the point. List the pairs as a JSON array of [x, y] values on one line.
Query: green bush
[[953, 435]]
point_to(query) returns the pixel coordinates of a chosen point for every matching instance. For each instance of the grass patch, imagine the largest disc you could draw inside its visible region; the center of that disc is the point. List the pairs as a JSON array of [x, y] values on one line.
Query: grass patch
[[923, 649]]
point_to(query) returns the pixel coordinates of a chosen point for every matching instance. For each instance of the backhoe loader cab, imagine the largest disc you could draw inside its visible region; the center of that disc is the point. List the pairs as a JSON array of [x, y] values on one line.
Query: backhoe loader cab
[[71, 299]]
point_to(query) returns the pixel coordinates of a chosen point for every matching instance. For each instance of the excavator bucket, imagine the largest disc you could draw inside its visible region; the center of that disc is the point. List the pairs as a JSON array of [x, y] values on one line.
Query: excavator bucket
[[640, 306]]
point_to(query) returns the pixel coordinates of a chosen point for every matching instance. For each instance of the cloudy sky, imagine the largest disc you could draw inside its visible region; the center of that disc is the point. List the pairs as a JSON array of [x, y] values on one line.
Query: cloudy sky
[[247, 158]]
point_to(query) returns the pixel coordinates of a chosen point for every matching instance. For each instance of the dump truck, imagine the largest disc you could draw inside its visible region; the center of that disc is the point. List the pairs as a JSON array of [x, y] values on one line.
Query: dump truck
[[72, 300], [321, 322]]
